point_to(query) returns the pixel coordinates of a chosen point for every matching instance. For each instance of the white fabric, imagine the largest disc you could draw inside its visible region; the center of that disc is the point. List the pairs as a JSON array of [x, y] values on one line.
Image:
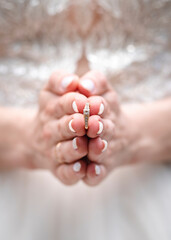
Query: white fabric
[[131, 204]]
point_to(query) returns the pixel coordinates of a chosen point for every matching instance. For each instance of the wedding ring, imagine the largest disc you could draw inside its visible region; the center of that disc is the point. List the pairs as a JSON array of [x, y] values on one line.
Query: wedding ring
[[58, 159], [86, 113]]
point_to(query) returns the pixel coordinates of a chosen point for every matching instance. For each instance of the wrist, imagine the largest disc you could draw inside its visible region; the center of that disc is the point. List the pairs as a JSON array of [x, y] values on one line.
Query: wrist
[[149, 132], [26, 151], [14, 126]]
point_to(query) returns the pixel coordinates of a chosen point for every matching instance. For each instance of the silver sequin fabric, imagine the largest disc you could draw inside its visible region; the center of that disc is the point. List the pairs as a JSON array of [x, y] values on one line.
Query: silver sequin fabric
[[129, 41]]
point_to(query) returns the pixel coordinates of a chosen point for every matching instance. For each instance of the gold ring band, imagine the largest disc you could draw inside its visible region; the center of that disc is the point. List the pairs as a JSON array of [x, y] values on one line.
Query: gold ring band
[[58, 159]]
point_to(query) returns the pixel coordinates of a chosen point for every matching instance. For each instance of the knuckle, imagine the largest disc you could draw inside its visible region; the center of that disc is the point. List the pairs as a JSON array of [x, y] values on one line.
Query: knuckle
[[113, 129], [42, 99], [49, 155], [47, 134], [43, 118], [59, 105], [91, 183], [67, 179], [58, 129], [70, 95], [61, 129], [94, 157], [52, 80], [60, 157], [103, 82], [115, 98], [50, 108]]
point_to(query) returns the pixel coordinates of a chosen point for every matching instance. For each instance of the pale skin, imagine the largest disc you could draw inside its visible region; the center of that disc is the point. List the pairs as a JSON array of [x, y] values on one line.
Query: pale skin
[[125, 135]]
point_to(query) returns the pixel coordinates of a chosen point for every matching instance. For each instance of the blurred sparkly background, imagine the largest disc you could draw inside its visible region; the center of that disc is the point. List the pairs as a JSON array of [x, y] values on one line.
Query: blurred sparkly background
[[129, 41]]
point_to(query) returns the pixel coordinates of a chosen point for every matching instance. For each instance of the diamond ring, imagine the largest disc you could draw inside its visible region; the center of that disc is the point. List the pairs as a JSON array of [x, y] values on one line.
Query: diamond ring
[[86, 113]]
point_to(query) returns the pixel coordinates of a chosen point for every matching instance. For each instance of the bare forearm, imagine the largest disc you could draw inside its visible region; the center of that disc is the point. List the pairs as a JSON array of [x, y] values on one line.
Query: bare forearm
[[152, 126], [13, 137]]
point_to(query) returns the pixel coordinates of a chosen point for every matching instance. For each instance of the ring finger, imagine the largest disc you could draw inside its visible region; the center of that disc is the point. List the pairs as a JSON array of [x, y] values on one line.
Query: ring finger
[[70, 151]]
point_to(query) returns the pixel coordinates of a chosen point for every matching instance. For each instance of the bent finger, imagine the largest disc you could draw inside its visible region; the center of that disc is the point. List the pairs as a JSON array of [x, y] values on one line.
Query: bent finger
[[95, 174], [100, 127], [98, 106], [70, 174], [61, 82], [93, 83], [70, 151], [64, 128], [97, 149], [69, 103]]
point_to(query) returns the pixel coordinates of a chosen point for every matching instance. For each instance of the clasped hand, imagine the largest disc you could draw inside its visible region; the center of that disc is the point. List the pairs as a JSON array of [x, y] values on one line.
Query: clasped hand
[[59, 139]]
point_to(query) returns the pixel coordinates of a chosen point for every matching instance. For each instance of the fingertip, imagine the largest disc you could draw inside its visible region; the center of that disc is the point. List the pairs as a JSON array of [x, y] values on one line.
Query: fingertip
[[86, 86], [97, 170], [105, 144], [79, 167], [71, 127], [80, 101], [69, 83], [74, 143], [96, 146], [81, 145], [101, 109], [100, 128], [93, 83], [78, 124], [74, 106], [82, 142], [97, 105], [95, 174], [95, 126], [70, 174]]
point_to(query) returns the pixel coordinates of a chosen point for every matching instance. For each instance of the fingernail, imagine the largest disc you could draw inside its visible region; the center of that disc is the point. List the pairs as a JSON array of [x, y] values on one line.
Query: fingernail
[[77, 167], [74, 106], [97, 170], [101, 109], [70, 126], [100, 128], [105, 145], [74, 143], [88, 84], [66, 81]]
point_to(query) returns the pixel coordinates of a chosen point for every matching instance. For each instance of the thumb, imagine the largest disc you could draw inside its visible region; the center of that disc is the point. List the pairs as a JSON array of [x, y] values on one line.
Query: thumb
[[93, 83], [61, 82]]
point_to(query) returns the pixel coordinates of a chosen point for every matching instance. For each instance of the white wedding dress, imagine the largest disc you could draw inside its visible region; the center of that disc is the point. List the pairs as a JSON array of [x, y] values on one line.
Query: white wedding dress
[[129, 41]]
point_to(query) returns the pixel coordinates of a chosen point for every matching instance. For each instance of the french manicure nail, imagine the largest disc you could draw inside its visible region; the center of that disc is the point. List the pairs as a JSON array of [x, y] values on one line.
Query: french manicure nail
[[70, 126], [87, 84], [66, 81], [74, 106], [100, 128], [105, 145], [74, 143], [97, 170], [101, 109], [77, 167]]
